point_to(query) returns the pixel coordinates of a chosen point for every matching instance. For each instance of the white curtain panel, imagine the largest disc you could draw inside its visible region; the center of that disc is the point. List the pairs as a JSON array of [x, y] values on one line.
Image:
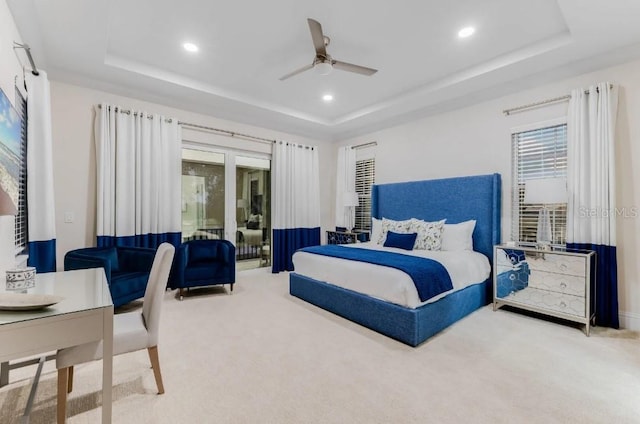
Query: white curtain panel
[[296, 186], [40, 196], [592, 213], [345, 183], [138, 163], [295, 194], [591, 167]]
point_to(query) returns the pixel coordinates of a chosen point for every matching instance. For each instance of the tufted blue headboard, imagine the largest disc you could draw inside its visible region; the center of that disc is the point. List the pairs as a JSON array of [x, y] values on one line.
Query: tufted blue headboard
[[456, 199]]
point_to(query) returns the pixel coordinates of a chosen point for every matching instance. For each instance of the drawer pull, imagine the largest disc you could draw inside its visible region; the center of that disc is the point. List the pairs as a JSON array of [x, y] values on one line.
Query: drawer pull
[[563, 285], [563, 305], [563, 267]]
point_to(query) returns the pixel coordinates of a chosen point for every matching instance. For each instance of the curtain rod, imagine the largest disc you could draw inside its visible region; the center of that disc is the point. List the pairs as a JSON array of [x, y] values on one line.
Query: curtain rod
[[544, 102], [227, 132], [129, 112], [241, 135], [536, 104], [206, 128], [27, 50], [363, 145]]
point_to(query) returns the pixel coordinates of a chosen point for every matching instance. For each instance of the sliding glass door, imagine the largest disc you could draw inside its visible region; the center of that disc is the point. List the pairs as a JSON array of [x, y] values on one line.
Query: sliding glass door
[[227, 195], [203, 194], [253, 211]]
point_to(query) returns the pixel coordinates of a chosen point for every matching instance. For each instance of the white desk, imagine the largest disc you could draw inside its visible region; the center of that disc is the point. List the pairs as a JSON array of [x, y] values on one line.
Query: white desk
[[85, 315]]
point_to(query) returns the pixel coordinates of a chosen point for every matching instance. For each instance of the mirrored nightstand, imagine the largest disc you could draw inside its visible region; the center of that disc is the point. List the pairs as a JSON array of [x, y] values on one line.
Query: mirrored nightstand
[[553, 282]]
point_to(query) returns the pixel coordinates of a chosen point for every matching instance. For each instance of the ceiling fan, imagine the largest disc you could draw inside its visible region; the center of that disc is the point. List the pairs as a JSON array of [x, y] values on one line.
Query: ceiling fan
[[323, 63]]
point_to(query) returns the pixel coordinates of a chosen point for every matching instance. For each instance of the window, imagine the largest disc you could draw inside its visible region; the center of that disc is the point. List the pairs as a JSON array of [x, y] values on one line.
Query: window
[[538, 153], [365, 177], [21, 216]]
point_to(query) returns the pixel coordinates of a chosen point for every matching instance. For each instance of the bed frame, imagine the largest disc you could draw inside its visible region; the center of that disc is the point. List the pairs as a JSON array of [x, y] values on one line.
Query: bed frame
[[457, 200]]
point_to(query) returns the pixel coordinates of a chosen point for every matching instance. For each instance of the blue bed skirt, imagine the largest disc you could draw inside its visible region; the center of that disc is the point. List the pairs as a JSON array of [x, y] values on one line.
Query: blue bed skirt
[[410, 326]]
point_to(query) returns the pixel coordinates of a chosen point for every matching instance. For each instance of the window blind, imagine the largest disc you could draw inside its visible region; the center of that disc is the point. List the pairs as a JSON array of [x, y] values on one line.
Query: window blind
[[21, 216], [365, 177], [539, 153]]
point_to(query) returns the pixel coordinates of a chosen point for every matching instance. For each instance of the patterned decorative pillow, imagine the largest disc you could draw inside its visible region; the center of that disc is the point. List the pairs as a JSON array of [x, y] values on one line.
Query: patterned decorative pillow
[[401, 227], [429, 234]]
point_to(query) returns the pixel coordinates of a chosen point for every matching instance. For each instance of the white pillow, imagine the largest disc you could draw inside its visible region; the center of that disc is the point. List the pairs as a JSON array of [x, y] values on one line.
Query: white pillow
[[376, 229], [402, 227], [429, 234], [456, 237]]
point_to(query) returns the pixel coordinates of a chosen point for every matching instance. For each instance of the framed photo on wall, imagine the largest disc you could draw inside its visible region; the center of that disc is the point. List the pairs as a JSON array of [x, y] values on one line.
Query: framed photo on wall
[[10, 138]]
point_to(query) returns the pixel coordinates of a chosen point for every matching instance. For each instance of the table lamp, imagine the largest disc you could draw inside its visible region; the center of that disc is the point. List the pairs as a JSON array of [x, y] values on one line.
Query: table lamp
[[350, 200], [545, 192], [243, 204]]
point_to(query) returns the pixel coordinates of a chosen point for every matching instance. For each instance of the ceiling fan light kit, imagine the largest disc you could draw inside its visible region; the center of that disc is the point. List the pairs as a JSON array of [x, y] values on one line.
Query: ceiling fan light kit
[[323, 68], [323, 63]]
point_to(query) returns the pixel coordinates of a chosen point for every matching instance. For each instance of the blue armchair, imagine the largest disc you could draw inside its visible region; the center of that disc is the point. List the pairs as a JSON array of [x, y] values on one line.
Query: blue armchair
[[203, 263], [127, 268]]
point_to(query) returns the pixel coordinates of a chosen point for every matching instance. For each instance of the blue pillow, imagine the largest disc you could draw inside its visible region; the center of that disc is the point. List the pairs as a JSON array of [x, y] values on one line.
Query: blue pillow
[[401, 241]]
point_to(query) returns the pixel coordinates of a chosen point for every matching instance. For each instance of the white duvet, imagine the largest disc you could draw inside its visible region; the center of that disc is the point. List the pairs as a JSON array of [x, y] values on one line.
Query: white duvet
[[392, 285]]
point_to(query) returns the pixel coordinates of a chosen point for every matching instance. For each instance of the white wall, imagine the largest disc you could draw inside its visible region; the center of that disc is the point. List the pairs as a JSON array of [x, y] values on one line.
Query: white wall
[[10, 68], [74, 155], [476, 140]]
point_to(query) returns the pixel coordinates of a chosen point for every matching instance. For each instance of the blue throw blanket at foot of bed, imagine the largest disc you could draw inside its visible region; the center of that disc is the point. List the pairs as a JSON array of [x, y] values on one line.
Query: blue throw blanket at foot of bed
[[429, 276]]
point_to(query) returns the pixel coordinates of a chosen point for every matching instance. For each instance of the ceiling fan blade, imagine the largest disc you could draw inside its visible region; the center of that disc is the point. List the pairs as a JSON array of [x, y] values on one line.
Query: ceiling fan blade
[[296, 72], [317, 37], [350, 67]]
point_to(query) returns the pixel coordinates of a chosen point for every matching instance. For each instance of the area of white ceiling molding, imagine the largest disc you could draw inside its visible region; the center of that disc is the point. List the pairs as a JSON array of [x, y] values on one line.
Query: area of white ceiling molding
[[407, 98], [428, 90], [180, 80], [244, 57], [135, 48]]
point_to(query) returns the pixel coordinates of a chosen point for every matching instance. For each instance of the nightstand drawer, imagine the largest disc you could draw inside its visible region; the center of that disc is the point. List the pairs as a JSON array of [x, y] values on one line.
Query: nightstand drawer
[[550, 301], [563, 264], [559, 283]]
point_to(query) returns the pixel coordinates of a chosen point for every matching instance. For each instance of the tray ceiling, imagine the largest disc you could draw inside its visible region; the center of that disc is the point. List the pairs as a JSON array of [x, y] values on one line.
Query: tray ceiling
[[135, 49]]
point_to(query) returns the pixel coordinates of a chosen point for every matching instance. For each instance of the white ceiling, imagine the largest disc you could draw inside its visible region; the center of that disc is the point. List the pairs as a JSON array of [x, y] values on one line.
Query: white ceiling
[[134, 48]]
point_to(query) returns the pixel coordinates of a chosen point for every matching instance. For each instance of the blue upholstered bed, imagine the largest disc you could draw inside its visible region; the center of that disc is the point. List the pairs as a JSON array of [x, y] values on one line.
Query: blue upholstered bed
[[456, 199]]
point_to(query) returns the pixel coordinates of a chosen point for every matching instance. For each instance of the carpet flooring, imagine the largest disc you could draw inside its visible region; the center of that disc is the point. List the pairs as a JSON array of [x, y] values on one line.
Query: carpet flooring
[[262, 356]]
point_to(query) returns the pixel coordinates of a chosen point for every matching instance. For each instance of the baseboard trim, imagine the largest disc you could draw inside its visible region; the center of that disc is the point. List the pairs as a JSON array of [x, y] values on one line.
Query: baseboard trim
[[629, 320]]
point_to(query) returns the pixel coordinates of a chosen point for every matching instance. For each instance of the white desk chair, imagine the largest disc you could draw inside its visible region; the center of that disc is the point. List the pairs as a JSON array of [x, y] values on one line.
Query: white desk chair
[[131, 331]]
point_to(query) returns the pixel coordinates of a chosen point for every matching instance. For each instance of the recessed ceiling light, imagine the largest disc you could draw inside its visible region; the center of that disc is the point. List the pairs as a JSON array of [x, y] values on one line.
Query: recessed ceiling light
[[190, 47], [327, 97], [466, 32]]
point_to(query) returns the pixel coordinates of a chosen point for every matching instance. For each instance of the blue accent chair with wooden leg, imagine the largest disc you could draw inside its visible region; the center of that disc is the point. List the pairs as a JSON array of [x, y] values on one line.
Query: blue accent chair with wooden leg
[[200, 263]]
